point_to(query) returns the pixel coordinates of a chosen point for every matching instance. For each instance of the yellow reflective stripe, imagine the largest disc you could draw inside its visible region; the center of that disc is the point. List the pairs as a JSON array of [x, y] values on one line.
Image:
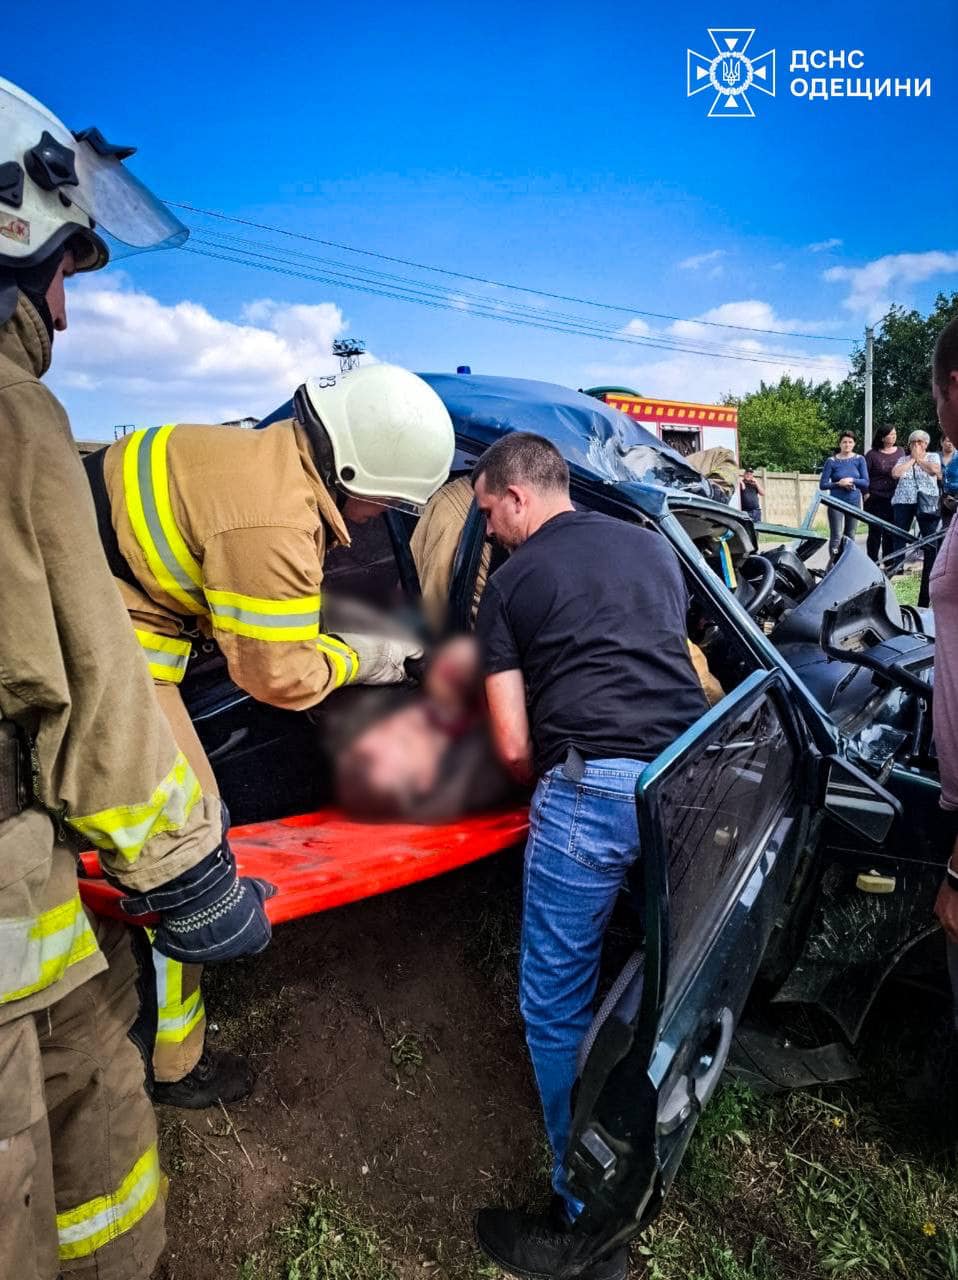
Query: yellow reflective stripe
[[264, 619], [343, 660], [166, 656], [261, 604], [161, 490], [125, 829], [35, 953], [151, 518], [164, 644], [90, 1226], [176, 1017]]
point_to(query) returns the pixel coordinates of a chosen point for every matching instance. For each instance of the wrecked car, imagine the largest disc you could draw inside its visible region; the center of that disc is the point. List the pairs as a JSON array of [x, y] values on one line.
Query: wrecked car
[[778, 864]]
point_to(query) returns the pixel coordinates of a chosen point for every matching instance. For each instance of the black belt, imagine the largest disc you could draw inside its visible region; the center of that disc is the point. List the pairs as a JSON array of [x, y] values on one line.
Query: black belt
[[93, 464], [16, 774]]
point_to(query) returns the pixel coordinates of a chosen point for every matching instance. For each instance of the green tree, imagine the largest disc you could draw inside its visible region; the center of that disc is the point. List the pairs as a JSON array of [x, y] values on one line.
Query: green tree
[[783, 426], [901, 380]]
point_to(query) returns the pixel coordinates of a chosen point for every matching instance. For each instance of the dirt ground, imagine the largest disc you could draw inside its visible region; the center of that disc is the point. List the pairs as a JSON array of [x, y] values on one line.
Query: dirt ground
[[391, 1065]]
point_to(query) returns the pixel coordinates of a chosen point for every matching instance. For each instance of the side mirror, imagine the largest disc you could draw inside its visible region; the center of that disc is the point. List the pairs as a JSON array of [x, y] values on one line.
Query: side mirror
[[858, 802]]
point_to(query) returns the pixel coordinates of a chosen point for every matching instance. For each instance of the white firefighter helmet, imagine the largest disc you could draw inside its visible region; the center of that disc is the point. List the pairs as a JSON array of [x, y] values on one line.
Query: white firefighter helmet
[[57, 186], [391, 436]]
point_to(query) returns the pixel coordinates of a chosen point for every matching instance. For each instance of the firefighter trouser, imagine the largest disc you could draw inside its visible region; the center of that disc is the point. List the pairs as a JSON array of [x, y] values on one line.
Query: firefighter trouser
[[80, 1184], [181, 1015]]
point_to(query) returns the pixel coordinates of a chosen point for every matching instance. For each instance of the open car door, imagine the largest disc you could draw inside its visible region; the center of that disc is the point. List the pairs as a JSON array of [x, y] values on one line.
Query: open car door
[[724, 816]]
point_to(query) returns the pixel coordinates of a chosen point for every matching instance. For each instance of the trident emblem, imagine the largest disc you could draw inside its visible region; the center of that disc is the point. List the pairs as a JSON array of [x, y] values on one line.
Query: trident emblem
[[730, 73]]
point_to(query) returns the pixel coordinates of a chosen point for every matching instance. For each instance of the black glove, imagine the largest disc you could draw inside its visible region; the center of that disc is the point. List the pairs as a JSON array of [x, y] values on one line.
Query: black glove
[[208, 913]]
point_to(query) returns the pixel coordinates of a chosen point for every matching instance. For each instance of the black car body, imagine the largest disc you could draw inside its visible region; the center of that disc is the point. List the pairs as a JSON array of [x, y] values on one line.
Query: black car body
[[763, 827]]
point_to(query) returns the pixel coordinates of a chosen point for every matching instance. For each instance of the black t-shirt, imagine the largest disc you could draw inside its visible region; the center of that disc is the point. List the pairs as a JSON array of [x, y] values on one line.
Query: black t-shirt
[[593, 612], [750, 497]]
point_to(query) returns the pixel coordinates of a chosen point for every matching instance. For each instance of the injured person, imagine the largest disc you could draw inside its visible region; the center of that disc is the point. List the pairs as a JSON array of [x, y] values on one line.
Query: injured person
[[426, 755]]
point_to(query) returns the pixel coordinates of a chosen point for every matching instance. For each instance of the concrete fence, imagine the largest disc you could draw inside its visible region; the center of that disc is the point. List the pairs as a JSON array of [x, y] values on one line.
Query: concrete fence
[[787, 495]]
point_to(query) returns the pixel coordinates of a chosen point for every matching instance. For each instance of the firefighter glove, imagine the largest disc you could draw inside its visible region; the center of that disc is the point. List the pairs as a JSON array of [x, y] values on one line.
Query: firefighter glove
[[382, 659]]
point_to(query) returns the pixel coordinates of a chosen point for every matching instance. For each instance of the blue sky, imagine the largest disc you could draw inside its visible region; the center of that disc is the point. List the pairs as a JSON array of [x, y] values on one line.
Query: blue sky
[[552, 146]]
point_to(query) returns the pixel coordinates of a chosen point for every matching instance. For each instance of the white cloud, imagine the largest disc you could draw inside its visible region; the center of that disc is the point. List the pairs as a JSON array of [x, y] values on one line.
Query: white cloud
[[637, 328], [127, 357], [876, 285], [822, 246], [699, 260], [682, 375]]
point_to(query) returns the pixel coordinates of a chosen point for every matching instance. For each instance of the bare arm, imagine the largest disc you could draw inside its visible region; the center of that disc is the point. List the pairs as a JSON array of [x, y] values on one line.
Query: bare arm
[[899, 469], [506, 695], [931, 465]]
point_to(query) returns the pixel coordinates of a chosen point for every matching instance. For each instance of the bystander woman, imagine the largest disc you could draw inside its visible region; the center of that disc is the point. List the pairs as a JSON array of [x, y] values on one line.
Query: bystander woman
[[949, 481], [916, 498], [844, 476], [881, 459]]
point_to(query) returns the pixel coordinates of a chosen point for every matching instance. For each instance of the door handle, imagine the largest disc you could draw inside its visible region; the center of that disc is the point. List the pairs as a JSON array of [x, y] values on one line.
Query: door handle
[[697, 1085], [712, 1057]]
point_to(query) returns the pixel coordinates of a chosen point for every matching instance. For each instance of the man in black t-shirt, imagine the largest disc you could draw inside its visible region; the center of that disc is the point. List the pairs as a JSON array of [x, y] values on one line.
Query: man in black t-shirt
[[752, 495], [588, 677]]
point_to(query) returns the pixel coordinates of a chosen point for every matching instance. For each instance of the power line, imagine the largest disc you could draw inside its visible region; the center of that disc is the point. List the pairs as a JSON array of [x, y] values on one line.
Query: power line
[[494, 312], [498, 284], [418, 289]]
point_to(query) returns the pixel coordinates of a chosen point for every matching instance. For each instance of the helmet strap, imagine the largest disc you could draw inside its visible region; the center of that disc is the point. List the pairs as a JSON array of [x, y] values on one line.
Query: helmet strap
[[35, 281], [319, 444]]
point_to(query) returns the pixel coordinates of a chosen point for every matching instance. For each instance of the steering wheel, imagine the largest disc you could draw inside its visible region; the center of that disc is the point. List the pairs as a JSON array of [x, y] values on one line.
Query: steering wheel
[[761, 581]]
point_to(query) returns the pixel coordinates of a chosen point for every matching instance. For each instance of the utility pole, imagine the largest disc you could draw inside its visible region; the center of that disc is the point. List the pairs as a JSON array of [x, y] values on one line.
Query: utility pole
[[869, 369]]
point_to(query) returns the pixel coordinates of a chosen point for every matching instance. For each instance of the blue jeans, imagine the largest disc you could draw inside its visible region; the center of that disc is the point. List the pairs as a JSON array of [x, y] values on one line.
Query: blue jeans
[[583, 837]]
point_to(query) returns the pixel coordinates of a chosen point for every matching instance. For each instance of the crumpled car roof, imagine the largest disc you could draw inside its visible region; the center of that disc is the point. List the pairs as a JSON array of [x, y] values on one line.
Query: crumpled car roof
[[591, 436]]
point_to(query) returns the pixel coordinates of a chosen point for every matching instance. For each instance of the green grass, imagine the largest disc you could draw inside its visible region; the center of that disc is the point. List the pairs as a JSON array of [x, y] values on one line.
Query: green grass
[[906, 588], [321, 1240], [800, 1188]]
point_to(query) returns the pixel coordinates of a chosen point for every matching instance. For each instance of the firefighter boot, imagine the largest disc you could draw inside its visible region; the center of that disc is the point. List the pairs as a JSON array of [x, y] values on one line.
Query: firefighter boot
[[219, 1076]]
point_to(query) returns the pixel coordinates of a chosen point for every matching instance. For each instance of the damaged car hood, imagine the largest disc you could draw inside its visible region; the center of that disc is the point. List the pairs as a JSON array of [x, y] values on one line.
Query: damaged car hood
[[594, 438]]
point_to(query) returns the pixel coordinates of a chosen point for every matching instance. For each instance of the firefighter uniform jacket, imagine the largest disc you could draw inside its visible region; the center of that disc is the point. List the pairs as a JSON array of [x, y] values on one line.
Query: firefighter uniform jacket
[[225, 530], [73, 680], [434, 543]]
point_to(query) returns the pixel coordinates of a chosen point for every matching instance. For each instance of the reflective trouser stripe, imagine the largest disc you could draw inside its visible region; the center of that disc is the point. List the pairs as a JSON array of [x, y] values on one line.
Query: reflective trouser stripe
[[176, 1017], [343, 660], [92, 1225], [166, 656], [126, 828], [146, 489], [35, 953], [260, 618]]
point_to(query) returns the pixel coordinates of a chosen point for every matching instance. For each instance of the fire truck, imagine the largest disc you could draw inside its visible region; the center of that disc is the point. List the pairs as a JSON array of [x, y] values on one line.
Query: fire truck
[[686, 426]]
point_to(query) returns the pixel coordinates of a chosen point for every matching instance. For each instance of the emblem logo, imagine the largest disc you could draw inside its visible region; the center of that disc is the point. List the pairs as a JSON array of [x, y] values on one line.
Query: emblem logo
[[730, 73], [17, 229]]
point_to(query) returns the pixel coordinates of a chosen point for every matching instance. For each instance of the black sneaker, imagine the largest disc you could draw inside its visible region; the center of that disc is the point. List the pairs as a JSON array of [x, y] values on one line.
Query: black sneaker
[[531, 1247], [219, 1076]]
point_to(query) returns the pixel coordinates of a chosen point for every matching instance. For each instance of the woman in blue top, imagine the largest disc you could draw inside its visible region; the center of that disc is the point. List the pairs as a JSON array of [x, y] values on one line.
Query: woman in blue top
[[844, 476], [949, 481]]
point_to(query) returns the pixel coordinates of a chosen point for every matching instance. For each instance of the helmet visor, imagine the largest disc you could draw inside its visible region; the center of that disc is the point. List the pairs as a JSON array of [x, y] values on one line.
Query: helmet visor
[[125, 212], [127, 215]]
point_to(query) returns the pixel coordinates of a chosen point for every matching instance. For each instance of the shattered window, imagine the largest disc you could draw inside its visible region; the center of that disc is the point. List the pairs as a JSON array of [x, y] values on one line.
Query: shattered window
[[718, 811]]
